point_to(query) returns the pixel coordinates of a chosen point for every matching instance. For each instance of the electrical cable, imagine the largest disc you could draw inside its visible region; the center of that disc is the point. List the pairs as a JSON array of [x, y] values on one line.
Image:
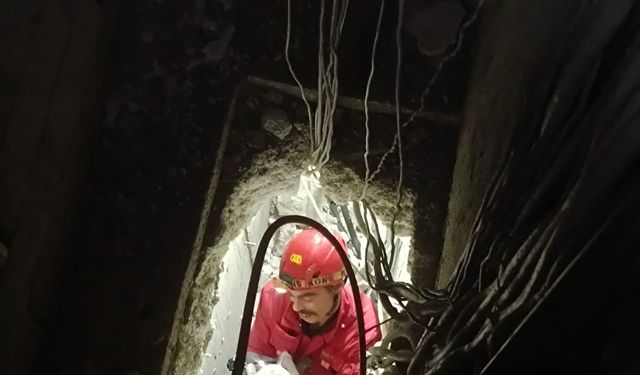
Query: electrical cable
[[290, 66], [398, 126], [367, 91], [322, 126], [448, 57]]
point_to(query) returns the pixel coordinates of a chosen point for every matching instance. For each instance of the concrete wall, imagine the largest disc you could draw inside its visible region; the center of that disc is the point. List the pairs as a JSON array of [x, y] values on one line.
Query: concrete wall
[[517, 48], [230, 293], [49, 82]]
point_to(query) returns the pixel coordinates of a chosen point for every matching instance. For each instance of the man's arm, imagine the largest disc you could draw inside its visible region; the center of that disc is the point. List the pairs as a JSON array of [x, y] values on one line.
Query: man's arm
[[372, 335], [260, 331]]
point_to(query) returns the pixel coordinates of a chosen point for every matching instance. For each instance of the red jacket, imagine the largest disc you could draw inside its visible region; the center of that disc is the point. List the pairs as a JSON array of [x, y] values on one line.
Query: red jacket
[[277, 329]]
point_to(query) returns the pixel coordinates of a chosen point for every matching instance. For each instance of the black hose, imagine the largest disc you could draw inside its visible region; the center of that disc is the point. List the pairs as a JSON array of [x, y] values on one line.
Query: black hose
[[245, 328]]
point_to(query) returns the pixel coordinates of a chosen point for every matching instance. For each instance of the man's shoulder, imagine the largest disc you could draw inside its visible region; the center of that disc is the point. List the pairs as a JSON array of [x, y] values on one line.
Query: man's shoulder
[[275, 299], [270, 289]]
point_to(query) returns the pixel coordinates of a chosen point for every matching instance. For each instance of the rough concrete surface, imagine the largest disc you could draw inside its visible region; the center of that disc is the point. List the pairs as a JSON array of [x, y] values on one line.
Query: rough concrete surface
[[502, 91]]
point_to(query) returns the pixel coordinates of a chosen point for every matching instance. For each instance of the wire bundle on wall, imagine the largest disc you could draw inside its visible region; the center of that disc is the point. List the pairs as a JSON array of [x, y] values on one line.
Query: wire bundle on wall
[[397, 141]]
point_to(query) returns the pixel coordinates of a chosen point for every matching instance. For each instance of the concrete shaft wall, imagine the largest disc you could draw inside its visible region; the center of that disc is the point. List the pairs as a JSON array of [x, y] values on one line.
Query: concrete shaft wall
[[49, 78], [230, 294], [516, 53]]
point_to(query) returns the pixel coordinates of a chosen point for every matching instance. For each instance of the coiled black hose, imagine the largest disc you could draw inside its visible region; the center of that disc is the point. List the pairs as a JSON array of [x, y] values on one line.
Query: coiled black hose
[[245, 328]]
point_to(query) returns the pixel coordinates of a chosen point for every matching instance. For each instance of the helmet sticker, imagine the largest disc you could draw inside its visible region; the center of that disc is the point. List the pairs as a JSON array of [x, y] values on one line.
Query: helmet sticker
[[296, 259]]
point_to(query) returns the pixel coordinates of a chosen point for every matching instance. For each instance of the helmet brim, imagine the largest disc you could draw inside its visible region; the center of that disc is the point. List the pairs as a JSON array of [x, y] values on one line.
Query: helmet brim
[[286, 282]]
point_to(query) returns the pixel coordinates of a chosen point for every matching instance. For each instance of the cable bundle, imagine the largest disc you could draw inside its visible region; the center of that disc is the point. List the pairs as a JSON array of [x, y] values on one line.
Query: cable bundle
[[321, 125]]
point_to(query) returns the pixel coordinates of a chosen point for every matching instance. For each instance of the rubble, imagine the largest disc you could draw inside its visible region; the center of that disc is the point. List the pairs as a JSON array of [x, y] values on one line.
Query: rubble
[[276, 122]]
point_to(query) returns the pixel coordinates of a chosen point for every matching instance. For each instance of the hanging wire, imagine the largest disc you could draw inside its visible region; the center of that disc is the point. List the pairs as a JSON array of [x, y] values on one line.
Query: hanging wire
[[290, 66], [436, 74], [321, 123], [381, 256], [398, 126], [382, 279], [374, 49], [322, 132]]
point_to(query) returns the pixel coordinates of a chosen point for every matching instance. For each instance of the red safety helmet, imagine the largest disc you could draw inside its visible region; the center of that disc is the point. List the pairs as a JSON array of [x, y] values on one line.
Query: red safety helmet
[[310, 261]]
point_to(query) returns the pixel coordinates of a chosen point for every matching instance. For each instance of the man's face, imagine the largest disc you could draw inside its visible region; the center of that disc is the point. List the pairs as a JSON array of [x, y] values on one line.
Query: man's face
[[314, 305]]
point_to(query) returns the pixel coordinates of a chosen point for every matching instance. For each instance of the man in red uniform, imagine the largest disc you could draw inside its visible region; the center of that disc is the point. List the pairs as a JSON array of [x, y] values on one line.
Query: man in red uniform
[[309, 313]]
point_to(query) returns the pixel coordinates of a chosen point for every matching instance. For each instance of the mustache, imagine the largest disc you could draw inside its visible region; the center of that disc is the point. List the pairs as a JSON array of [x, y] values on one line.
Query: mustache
[[305, 312]]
